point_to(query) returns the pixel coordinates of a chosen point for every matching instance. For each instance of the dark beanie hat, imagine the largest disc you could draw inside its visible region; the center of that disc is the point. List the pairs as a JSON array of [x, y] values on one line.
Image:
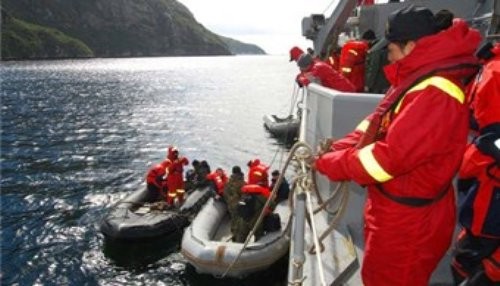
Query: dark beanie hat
[[236, 170], [304, 61], [410, 23]]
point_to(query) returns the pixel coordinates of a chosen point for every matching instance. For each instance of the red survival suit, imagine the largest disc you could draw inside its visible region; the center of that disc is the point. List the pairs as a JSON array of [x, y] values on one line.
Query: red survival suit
[[175, 179], [323, 74], [352, 62], [409, 161], [479, 178], [258, 181], [219, 178], [257, 173], [155, 180]]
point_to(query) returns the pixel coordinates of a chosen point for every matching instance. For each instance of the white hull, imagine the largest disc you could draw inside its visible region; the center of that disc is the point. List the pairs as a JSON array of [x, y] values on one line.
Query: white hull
[[207, 244]]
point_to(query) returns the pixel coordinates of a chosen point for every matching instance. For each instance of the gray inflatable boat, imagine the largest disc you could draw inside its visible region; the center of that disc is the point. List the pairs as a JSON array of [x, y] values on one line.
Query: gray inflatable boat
[[207, 245], [283, 128], [136, 217]]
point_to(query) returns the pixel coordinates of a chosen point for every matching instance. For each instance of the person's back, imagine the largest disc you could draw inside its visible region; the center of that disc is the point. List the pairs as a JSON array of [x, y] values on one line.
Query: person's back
[[321, 73], [376, 59], [249, 208], [352, 62], [232, 190]]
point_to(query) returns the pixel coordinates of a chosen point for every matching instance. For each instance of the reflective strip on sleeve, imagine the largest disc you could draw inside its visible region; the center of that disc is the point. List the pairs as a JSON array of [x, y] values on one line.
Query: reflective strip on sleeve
[[363, 125], [443, 84], [371, 165]]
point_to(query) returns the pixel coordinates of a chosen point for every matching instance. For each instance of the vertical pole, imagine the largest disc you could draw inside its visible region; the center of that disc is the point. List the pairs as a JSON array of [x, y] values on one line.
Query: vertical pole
[[298, 256]]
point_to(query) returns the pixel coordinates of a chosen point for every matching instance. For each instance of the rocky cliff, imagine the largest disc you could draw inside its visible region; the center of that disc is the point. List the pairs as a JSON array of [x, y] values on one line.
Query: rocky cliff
[[110, 28]]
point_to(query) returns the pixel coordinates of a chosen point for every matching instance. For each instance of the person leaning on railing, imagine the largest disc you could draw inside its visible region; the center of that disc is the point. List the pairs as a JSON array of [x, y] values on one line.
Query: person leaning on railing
[[408, 150]]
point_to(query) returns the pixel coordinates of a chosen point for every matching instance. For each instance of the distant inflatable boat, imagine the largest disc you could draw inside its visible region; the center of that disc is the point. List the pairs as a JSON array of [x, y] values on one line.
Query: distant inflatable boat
[[135, 218], [207, 245], [287, 127]]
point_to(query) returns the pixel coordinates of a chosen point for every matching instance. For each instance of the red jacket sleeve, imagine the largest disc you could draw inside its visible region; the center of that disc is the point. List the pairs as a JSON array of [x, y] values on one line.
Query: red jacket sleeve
[[422, 130]]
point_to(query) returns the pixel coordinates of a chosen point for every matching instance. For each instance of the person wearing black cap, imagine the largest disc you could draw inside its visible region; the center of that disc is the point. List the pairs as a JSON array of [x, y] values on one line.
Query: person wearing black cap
[[321, 73], [232, 193], [283, 188], [408, 150]]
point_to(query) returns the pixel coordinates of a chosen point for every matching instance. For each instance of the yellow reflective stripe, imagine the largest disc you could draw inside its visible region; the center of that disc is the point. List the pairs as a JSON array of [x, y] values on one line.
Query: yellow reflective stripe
[[440, 82], [443, 84], [363, 125], [347, 70], [371, 165], [353, 52]]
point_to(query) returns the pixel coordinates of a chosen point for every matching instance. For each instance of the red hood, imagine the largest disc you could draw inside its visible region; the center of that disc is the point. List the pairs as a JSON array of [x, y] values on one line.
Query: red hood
[[457, 42]]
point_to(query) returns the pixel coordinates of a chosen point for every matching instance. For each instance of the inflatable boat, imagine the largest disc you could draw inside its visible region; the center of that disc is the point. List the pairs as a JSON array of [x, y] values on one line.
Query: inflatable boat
[[207, 245], [283, 128], [138, 216]]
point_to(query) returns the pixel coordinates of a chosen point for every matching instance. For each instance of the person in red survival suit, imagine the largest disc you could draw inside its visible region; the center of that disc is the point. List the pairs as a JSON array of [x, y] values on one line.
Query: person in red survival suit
[[321, 73], [175, 178], [258, 173], [407, 151], [352, 62], [477, 253], [219, 179], [156, 181], [253, 199]]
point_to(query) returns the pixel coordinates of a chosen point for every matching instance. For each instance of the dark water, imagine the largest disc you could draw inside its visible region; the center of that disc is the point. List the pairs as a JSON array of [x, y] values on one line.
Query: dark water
[[79, 135]]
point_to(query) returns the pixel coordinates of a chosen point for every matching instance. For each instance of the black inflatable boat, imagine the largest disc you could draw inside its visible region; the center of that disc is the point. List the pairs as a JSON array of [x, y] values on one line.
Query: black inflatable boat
[[138, 217]]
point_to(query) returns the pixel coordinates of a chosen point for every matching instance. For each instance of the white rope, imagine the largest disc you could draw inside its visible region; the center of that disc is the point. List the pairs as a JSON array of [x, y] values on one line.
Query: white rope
[[315, 237]]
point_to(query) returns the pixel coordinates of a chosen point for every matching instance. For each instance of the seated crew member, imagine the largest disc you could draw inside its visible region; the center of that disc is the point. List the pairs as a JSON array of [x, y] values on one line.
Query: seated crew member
[[253, 199], [219, 180], [232, 193], [283, 189]]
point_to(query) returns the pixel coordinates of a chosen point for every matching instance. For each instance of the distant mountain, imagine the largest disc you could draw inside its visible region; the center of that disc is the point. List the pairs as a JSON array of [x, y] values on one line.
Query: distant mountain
[[107, 28], [240, 48]]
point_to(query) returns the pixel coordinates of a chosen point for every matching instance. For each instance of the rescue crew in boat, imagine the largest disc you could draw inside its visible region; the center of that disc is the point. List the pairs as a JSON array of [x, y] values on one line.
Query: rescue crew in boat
[[407, 151], [477, 254], [219, 180], [232, 193], [253, 198], [175, 177], [156, 181]]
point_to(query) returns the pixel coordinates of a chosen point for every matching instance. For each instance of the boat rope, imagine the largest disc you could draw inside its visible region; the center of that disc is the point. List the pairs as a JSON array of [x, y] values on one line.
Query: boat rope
[[342, 187], [271, 197]]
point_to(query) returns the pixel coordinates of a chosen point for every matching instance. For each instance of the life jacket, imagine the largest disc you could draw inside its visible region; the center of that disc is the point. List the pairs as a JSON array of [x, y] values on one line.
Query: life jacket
[[155, 176], [220, 179], [479, 175], [258, 173], [257, 190]]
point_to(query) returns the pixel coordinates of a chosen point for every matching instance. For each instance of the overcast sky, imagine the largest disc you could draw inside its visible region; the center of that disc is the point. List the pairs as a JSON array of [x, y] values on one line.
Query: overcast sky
[[274, 25]]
